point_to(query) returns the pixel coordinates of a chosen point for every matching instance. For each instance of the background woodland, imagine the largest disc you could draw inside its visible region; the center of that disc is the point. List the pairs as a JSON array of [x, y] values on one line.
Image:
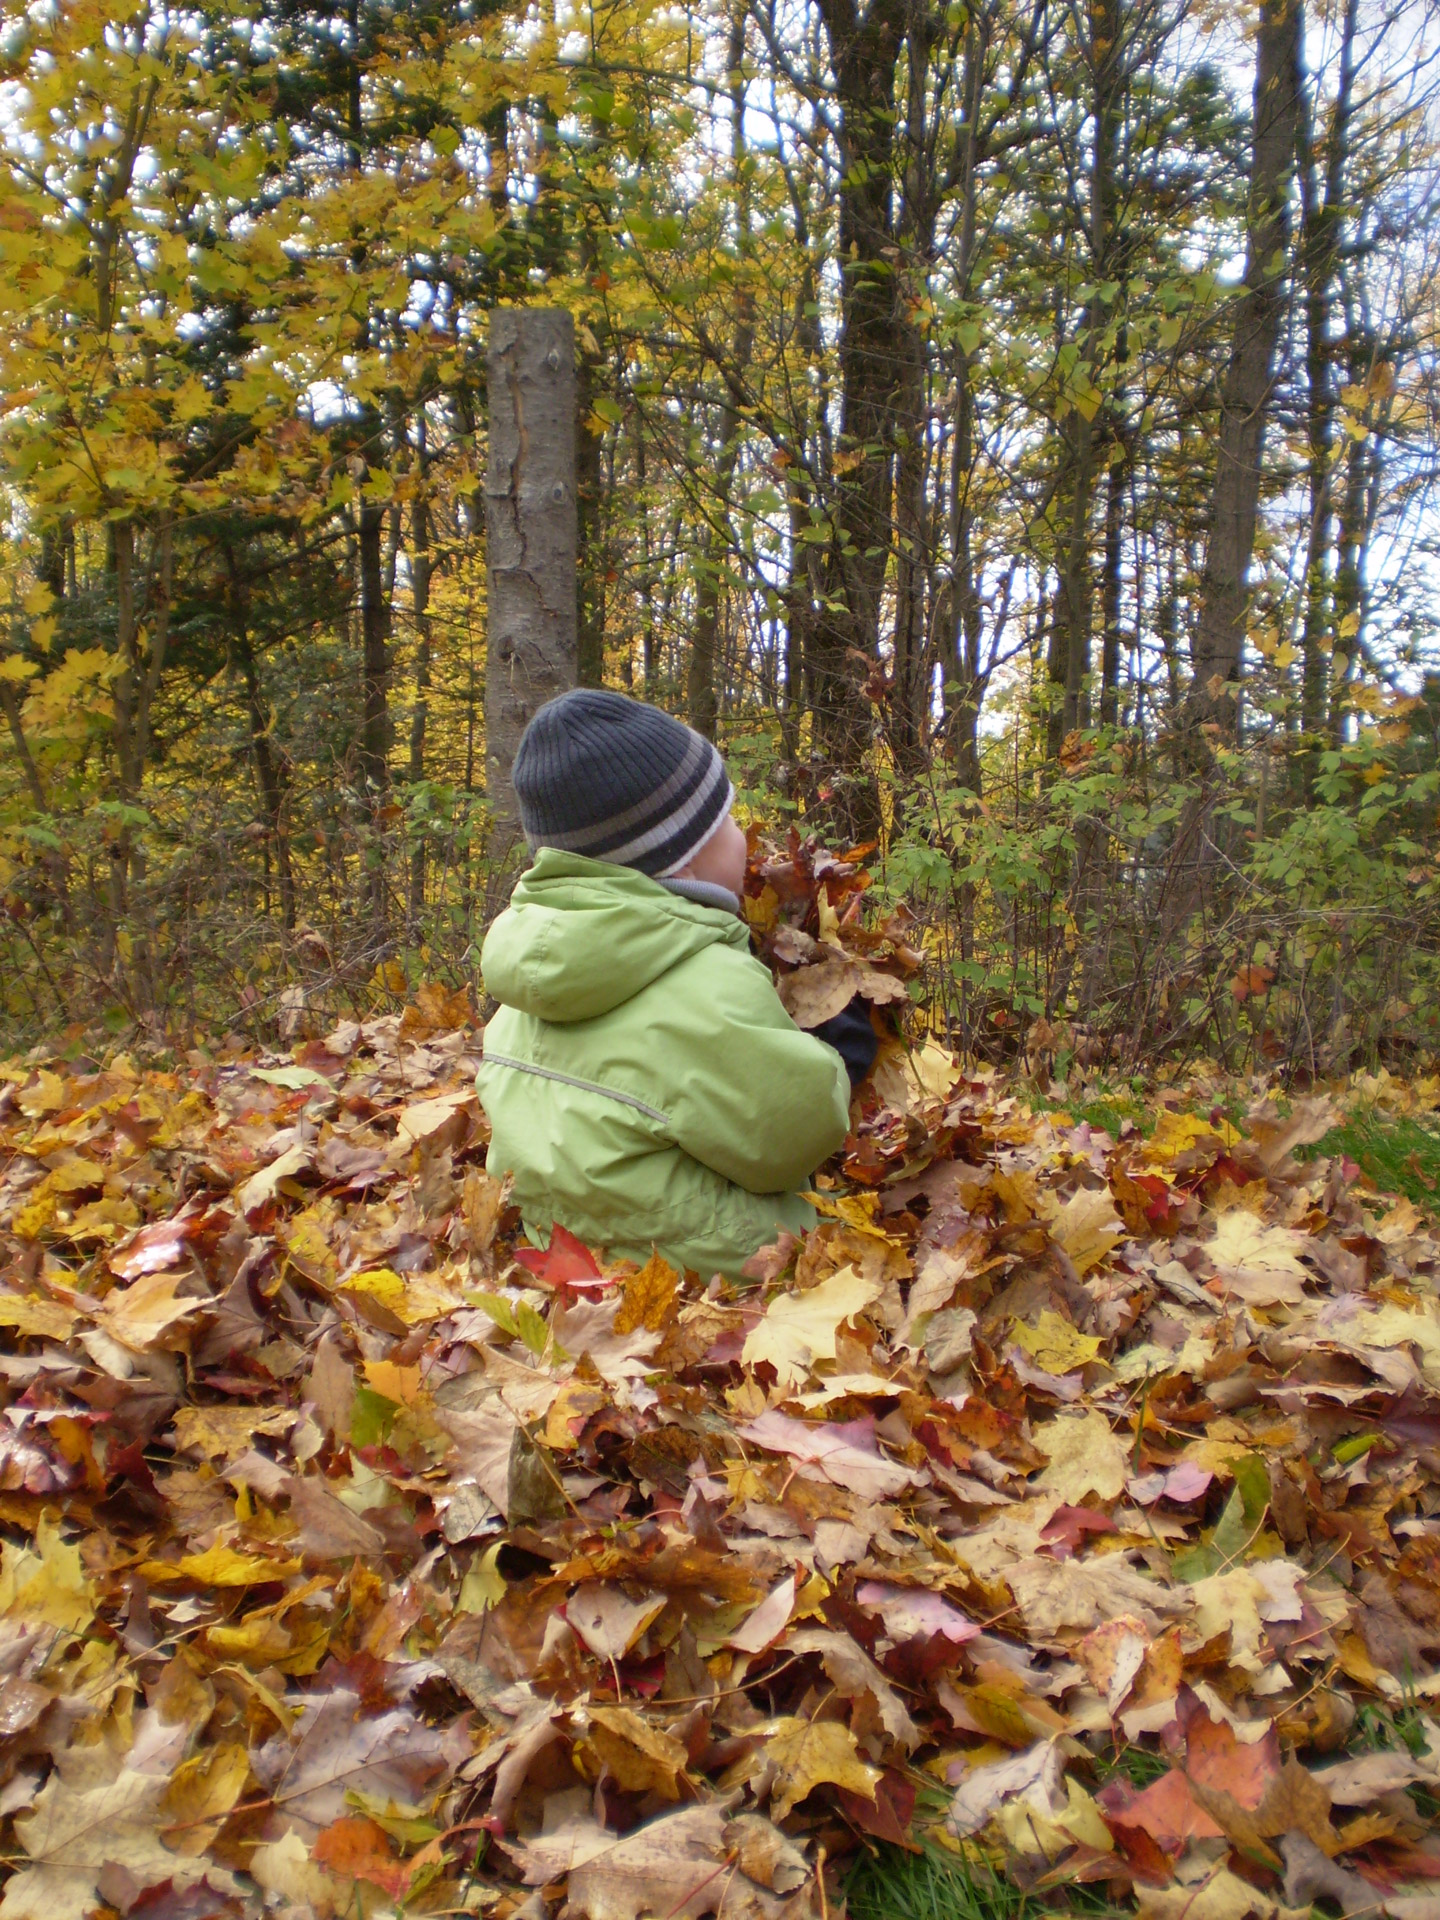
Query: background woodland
[[1008, 428]]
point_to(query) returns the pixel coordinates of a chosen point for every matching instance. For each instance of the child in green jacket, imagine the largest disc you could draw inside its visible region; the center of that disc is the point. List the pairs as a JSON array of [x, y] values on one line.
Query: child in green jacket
[[645, 1086]]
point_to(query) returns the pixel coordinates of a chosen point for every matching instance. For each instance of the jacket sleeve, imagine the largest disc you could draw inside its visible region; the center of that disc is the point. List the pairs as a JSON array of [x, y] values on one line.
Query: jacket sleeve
[[760, 1102]]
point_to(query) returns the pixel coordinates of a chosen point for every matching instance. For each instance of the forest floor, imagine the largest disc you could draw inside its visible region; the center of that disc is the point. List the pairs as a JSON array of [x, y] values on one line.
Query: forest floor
[[1057, 1529]]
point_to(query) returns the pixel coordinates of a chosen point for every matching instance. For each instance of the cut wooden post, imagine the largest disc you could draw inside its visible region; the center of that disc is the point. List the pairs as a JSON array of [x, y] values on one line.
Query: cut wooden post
[[530, 532]]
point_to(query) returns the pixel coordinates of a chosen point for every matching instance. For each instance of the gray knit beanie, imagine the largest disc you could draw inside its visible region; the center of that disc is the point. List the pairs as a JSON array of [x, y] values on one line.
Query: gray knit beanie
[[612, 779]]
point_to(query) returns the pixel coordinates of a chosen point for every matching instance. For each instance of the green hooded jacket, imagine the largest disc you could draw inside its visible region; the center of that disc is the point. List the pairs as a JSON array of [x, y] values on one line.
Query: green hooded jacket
[[644, 1084]]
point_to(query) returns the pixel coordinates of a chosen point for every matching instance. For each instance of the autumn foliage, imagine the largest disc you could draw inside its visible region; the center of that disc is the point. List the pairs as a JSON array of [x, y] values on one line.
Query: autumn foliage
[[1066, 1499]]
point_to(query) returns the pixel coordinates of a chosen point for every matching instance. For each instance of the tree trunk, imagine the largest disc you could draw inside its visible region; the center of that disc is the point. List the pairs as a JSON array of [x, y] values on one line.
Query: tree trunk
[[964, 674], [1217, 656], [141, 662], [530, 520], [1349, 571], [1072, 603], [646, 586], [701, 700], [863, 52], [1111, 587], [374, 661], [374, 762], [420, 713], [590, 526], [269, 775], [1322, 209], [799, 616]]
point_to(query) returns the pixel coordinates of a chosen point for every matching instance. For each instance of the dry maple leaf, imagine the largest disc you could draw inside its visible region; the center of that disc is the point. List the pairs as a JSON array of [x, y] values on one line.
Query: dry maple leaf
[[1086, 1226], [1258, 1264], [764, 1854], [138, 1315], [340, 1746], [831, 1455], [915, 1613], [261, 1188], [854, 1675], [360, 1850], [639, 1757], [1221, 1895], [799, 1329], [1033, 1775], [75, 1835], [678, 1867], [800, 1755], [1085, 1457], [608, 1620]]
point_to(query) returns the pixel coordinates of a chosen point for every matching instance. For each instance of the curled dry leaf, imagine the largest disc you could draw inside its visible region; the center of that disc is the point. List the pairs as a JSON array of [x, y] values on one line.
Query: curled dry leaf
[[677, 1866], [764, 1854]]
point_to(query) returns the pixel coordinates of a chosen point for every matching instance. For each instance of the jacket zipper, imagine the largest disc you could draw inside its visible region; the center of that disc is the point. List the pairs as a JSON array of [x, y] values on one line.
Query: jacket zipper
[[569, 1080]]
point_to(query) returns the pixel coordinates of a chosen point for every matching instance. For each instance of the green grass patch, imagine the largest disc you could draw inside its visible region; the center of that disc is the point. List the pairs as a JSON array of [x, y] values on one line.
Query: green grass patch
[[1110, 1107], [891, 1884], [1110, 1114], [1104, 1107], [1137, 1765], [1401, 1156]]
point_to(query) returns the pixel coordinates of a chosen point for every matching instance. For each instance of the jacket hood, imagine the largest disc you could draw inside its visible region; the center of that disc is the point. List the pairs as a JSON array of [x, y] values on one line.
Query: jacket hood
[[581, 937]]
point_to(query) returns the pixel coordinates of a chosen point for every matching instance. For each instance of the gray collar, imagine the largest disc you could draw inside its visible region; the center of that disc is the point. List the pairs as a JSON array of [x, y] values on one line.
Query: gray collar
[[705, 894]]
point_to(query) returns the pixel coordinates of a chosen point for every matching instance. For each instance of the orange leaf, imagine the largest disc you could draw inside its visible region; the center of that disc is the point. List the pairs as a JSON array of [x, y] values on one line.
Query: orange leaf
[[361, 1849]]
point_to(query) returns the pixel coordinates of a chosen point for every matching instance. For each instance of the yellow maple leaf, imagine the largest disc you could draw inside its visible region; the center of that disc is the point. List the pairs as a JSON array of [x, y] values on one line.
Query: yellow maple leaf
[[220, 1567], [307, 1243], [1052, 1343], [202, 1790], [1027, 1829], [1177, 1133], [393, 1382], [46, 1582], [639, 1757], [260, 1640], [105, 1219], [800, 1328], [855, 1210], [1087, 1226], [226, 1432], [35, 1318], [805, 1754], [484, 1586], [1084, 1455], [413, 1300]]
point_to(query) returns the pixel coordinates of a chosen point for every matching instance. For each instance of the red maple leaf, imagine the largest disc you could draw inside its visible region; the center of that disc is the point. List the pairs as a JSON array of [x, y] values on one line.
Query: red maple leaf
[[567, 1264]]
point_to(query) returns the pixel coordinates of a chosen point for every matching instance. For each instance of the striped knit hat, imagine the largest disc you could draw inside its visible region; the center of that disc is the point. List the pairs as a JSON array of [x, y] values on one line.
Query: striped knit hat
[[613, 779]]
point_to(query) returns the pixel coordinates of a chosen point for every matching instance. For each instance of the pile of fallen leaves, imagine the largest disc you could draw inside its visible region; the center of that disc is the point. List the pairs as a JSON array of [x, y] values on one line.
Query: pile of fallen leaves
[[1064, 1499]]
